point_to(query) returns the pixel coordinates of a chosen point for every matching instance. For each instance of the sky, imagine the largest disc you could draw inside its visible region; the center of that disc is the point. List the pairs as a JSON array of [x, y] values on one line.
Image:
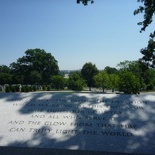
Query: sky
[[104, 33]]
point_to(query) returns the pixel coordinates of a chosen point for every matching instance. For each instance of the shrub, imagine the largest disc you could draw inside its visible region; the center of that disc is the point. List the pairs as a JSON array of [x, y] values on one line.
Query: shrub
[[13, 89], [48, 88], [150, 86], [44, 88], [17, 88], [27, 88], [34, 88], [23, 89], [7, 89]]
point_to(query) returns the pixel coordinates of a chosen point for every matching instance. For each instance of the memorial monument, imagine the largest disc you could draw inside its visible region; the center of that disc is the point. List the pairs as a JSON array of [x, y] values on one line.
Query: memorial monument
[[77, 123]]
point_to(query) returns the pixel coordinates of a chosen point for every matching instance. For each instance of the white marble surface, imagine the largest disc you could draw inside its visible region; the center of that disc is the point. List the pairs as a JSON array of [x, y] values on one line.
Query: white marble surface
[[78, 121]]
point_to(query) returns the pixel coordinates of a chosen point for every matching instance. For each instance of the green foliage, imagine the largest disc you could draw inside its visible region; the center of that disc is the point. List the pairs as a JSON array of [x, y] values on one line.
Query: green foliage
[[149, 76], [27, 88], [150, 86], [35, 77], [7, 89], [88, 72], [114, 80], [85, 2], [23, 89], [148, 9], [48, 88], [13, 89], [129, 83], [17, 89], [102, 80], [36, 67], [4, 69], [110, 70], [44, 88], [149, 53], [58, 82], [5, 78], [75, 82], [138, 68], [34, 88]]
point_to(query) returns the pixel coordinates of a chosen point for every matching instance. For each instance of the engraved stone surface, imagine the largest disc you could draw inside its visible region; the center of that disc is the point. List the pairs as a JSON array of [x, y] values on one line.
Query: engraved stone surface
[[78, 121]]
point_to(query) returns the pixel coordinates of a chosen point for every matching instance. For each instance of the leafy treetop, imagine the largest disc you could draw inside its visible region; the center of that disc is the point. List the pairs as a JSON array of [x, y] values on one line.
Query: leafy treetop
[[85, 2]]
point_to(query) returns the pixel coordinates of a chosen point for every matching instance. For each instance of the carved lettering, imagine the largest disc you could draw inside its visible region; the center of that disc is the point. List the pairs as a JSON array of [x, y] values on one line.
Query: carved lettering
[[81, 124], [44, 130], [123, 134], [16, 122], [89, 132], [34, 122], [37, 116], [55, 123], [66, 131], [17, 130]]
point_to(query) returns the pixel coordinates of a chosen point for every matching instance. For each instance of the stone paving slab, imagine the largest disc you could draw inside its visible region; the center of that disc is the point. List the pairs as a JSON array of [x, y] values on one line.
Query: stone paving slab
[[96, 123]]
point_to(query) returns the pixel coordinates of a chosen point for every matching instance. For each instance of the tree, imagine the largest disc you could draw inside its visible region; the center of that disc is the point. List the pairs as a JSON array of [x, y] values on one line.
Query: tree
[[128, 82], [102, 80], [113, 80], [140, 70], [4, 69], [85, 2], [124, 65], [35, 77], [110, 70], [35, 64], [88, 72], [148, 9], [149, 78], [57, 82], [75, 82], [5, 78], [133, 66], [5, 75]]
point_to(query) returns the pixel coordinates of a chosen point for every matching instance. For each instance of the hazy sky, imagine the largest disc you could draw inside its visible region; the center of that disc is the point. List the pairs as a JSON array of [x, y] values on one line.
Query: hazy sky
[[103, 33]]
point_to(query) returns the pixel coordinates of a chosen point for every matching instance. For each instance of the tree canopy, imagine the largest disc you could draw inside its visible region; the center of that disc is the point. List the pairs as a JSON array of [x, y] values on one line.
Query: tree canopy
[[148, 10], [88, 72], [128, 82], [36, 66], [102, 80], [85, 2], [75, 82]]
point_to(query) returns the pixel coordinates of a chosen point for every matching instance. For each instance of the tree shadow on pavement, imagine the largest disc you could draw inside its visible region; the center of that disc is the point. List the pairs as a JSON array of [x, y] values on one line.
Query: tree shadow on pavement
[[80, 121]]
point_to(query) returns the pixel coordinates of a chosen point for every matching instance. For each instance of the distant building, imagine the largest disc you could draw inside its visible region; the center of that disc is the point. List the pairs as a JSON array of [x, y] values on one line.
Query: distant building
[[66, 76]]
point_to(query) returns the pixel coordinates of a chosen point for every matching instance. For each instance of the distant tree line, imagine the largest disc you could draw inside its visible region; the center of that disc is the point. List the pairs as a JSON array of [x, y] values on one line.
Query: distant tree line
[[39, 70]]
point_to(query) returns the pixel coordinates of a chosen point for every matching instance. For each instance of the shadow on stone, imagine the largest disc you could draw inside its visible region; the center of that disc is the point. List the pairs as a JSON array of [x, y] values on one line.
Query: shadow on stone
[[76, 123]]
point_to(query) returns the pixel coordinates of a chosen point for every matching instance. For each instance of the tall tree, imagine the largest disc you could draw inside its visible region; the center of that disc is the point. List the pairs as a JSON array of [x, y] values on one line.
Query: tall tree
[[129, 83], [4, 69], [102, 80], [88, 72], [137, 68], [5, 78], [5, 75], [35, 64], [110, 70], [148, 9]]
